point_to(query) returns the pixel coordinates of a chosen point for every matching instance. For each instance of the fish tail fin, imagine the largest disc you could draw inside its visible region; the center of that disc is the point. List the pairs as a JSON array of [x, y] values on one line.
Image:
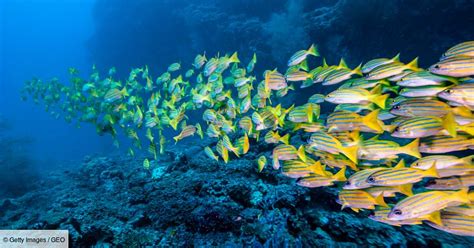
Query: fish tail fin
[[176, 139], [435, 217], [380, 100], [304, 65], [469, 128], [432, 171], [412, 148], [372, 122], [340, 175], [313, 50], [396, 58], [358, 70], [234, 58], [124, 92], [301, 153], [350, 152], [450, 124], [285, 139], [462, 196], [317, 168], [309, 113], [413, 65], [380, 201], [468, 159], [406, 189], [342, 63]]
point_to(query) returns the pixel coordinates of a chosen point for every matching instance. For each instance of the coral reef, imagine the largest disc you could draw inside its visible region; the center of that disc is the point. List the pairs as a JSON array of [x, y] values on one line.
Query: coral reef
[[112, 201]]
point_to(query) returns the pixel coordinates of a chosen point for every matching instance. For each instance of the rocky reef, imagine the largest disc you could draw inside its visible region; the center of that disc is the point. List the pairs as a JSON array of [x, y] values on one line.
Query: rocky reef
[[187, 200]]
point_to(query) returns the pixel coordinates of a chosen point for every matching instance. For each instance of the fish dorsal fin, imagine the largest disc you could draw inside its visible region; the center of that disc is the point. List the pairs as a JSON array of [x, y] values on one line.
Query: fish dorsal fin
[[342, 64], [400, 165], [377, 90]]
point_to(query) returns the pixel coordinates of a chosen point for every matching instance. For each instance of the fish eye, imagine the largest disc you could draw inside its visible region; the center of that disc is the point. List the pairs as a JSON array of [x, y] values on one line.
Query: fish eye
[[371, 179], [397, 212], [347, 183], [396, 107], [436, 66], [449, 91]]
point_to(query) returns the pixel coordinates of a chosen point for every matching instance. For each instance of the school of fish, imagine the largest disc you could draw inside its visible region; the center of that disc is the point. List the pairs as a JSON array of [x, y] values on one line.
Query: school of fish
[[385, 112]]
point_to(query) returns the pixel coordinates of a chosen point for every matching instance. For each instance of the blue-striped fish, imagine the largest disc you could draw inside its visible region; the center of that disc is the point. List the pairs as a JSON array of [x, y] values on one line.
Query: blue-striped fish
[[461, 49], [315, 180], [372, 64], [451, 183], [400, 175], [275, 80], [457, 66], [340, 121], [420, 107], [340, 75], [375, 149], [462, 94], [323, 141], [424, 78], [359, 199], [392, 69], [199, 61], [455, 223], [380, 215], [301, 55], [357, 96], [444, 144], [424, 126], [426, 203]]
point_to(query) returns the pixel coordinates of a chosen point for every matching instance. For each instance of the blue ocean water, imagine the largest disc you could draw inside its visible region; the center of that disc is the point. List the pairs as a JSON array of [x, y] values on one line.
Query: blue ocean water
[[44, 38]]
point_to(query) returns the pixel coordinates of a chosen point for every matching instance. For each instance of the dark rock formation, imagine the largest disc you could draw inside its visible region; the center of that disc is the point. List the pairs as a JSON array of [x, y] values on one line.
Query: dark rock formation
[[114, 201]]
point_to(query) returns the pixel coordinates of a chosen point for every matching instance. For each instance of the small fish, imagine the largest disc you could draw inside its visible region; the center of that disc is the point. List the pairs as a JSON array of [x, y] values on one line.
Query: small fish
[[304, 113], [462, 94], [221, 150], [275, 80], [246, 124], [316, 98], [426, 203], [441, 161], [456, 66], [340, 121], [296, 75], [455, 223], [316, 180], [359, 199], [390, 191], [228, 144], [286, 152], [323, 141], [208, 151], [420, 107], [380, 215], [424, 91], [359, 179], [199, 61], [301, 55], [392, 69], [451, 183], [185, 132], [174, 67], [274, 138], [400, 175], [298, 168], [252, 62], [115, 94], [372, 64], [340, 75], [242, 144], [444, 144], [357, 96], [261, 162], [461, 49], [375, 149], [424, 126], [424, 78]]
